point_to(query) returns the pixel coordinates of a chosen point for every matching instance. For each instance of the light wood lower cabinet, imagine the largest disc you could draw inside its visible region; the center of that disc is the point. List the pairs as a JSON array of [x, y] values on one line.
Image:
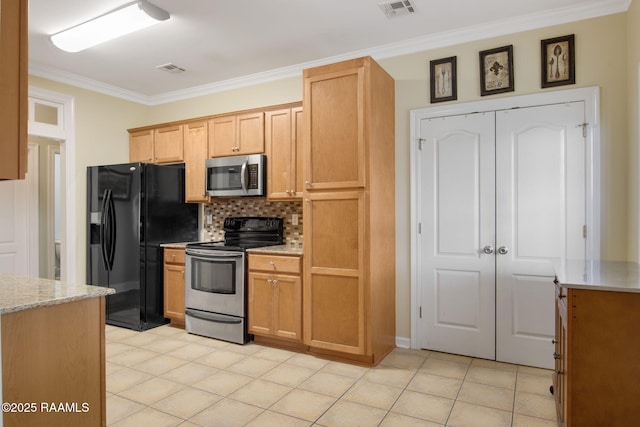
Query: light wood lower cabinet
[[334, 292], [275, 297], [174, 269], [55, 355], [596, 379]]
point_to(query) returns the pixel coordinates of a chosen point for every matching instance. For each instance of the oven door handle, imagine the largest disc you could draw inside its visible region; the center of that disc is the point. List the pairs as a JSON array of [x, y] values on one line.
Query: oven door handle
[[208, 257], [212, 317]]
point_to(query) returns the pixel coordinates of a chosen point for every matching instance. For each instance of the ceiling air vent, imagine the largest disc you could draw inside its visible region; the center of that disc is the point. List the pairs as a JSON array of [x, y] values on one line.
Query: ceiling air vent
[[397, 8], [171, 68]]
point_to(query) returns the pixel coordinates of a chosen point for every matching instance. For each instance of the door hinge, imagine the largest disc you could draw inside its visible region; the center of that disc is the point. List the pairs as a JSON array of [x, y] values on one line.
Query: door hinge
[[420, 141], [420, 311], [419, 228], [584, 231], [584, 129]]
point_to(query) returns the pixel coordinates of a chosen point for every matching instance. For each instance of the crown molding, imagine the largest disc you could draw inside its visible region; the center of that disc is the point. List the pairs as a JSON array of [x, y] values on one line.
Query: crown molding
[[449, 38]]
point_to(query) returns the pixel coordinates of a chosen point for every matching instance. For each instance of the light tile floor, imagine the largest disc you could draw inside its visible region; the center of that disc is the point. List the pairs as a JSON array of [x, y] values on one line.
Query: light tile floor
[[166, 377]]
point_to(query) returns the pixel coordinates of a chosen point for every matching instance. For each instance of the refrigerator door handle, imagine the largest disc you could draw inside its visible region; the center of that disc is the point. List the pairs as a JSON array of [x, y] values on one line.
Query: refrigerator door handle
[[103, 229], [112, 230]]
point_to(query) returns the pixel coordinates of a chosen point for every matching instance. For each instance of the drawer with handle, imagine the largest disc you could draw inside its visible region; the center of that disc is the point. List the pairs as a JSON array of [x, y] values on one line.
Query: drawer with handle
[[275, 263], [174, 256]]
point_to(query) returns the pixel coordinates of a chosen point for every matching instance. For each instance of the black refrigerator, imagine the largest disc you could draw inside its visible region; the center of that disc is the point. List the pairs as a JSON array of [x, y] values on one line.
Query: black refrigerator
[[132, 209]]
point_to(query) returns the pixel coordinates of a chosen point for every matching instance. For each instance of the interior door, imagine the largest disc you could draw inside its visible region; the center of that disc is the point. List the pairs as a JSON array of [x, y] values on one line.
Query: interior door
[[511, 183], [457, 210], [540, 212], [19, 221], [13, 227]]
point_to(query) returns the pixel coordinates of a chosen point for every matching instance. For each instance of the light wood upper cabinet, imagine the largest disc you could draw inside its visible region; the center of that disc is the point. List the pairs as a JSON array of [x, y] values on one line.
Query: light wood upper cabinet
[[196, 136], [236, 134], [141, 146], [13, 89], [283, 143], [222, 136], [168, 144], [334, 103], [160, 145]]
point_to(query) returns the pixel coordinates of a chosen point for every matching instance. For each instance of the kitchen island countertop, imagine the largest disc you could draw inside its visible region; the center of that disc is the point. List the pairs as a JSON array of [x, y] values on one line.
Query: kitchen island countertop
[[19, 293], [617, 276]]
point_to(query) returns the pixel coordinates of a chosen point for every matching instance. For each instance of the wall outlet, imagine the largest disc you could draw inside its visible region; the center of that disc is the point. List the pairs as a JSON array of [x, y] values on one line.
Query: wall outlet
[[209, 219], [294, 219]]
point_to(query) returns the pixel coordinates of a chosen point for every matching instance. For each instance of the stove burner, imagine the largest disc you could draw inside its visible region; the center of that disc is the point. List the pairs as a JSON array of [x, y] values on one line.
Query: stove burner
[[242, 233]]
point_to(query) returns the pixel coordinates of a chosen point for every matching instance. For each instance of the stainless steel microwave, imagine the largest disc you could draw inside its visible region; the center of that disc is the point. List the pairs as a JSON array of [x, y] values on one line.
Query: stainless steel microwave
[[236, 176]]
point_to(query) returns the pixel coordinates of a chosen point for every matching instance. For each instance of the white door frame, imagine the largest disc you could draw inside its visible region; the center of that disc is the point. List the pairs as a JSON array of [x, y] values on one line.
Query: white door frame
[[589, 95], [33, 196], [64, 131]]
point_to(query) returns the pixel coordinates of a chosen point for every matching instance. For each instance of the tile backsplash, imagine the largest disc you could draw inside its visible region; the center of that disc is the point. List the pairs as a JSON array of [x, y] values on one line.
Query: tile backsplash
[[223, 208]]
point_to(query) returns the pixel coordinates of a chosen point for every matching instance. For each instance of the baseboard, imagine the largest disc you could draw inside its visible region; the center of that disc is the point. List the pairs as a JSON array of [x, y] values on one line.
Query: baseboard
[[403, 342]]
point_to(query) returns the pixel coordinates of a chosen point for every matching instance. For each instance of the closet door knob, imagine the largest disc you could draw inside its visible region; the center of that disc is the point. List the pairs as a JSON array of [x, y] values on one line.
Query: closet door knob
[[488, 249], [503, 250]]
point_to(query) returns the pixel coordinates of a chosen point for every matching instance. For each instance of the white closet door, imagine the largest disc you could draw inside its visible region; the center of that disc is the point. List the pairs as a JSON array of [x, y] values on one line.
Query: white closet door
[[540, 213], [19, 221], [456, 190], [13, 227]]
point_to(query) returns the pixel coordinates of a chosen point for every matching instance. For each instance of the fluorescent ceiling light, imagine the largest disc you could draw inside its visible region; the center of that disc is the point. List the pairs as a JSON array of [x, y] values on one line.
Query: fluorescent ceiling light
[[127, 19]]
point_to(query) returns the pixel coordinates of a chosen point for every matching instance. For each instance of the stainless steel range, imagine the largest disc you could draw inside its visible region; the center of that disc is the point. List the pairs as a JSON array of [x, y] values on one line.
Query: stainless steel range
[[216, 277]]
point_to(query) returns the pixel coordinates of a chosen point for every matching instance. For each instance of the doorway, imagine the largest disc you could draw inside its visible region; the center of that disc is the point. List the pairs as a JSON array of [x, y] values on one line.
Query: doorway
[[51, 119], [496, 197]]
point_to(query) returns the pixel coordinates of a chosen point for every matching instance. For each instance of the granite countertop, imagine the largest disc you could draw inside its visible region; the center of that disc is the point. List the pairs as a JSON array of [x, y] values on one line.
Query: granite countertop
[[278, 250], [617, 276], [177, 245], [23, 293]]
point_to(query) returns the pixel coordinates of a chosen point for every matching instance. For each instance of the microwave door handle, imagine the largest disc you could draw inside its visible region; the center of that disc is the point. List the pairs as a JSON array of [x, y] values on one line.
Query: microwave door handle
[[243, 176]]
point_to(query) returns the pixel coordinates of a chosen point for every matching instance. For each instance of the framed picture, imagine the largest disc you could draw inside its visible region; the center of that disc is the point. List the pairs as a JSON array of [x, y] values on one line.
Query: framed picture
[[558, 61], [443, 80], [496, 70]]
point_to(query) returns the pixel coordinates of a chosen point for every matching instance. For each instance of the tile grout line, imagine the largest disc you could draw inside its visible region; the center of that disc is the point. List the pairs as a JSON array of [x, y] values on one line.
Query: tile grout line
[[278, 364]]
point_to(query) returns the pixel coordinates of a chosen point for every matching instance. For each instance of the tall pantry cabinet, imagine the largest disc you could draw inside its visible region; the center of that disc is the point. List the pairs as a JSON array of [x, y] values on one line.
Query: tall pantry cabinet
[[349, 210]]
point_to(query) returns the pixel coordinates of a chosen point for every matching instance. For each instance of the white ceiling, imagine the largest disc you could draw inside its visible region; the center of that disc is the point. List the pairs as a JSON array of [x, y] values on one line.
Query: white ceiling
[[230, 43]]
